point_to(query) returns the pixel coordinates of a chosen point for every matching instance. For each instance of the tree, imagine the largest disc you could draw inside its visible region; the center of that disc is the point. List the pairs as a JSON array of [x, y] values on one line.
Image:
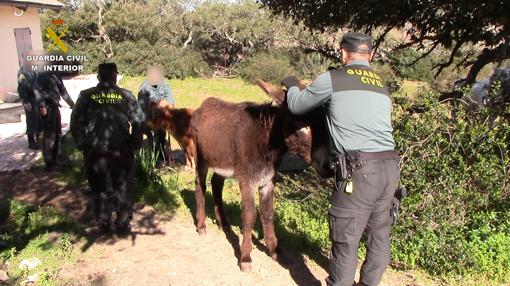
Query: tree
[[227, 32], [428, 24]]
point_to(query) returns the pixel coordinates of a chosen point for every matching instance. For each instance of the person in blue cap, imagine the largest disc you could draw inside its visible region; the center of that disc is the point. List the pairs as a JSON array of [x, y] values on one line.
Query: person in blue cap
[[358, 113]]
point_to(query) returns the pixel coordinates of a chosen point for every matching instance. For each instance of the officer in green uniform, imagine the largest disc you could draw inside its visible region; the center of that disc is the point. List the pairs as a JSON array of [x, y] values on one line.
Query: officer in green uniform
[[48, 89], [33, 119], [107, 125], [359, 119]]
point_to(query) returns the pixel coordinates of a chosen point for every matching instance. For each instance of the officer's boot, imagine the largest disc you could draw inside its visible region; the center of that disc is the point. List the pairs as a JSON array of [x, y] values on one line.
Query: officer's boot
[[32, 143], [124, 215]]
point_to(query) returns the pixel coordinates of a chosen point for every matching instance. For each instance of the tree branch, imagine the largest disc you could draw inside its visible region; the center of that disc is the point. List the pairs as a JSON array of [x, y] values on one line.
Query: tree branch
[[440, 67], [487, 56]]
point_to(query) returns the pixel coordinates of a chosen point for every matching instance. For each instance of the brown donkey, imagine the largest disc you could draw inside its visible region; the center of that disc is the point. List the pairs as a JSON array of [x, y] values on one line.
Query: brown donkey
[[177, 122], [247, 141]]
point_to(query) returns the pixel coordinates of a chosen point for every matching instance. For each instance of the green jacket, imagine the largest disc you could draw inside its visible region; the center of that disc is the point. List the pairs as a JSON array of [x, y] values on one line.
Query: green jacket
[[358, 107], [106, 118]]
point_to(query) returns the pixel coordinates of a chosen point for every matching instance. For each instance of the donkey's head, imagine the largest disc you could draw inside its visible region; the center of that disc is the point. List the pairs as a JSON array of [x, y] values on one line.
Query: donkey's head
[[305, 135], [160, 115]]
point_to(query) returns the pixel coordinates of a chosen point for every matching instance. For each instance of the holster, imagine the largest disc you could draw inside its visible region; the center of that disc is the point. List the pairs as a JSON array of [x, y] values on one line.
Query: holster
[[400, 194], [343, 165]]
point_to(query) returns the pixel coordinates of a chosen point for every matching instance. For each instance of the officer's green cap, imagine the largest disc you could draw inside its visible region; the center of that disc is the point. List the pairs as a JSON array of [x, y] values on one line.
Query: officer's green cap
[[107, 68], [357, 42]]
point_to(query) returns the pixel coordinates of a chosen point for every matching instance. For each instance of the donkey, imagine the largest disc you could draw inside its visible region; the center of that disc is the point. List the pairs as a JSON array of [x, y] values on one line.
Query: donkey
[[247, 141], [177, 122]]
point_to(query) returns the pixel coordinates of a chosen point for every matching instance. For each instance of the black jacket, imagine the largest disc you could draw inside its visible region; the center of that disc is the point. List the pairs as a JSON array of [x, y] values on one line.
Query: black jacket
[[106, 118]]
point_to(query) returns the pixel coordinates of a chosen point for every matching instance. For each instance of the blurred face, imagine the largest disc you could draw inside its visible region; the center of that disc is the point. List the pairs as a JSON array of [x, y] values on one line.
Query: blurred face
[[154, 76]]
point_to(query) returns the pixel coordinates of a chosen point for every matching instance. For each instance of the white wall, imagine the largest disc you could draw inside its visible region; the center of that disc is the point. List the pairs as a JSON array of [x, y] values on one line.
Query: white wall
[[8, 54]]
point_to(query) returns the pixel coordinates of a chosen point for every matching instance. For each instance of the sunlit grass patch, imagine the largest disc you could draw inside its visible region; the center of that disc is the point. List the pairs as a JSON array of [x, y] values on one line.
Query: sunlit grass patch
[[191, 92], [40, 236]]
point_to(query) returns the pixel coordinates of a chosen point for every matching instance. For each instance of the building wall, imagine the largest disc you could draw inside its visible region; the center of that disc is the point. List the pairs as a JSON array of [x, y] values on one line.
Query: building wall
[[8, 54]]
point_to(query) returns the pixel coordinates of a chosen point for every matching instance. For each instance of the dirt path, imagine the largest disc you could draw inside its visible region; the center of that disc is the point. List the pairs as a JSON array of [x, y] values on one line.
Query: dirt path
[[162, 250]]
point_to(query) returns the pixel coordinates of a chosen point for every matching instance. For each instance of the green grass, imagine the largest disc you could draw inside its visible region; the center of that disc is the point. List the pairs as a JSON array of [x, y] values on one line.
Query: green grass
[[413, 88], [191, 92], [30, 232]]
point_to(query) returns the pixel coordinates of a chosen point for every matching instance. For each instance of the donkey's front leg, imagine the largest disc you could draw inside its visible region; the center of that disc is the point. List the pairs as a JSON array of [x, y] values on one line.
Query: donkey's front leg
[[200, 186], [249, 215], [267, 217]]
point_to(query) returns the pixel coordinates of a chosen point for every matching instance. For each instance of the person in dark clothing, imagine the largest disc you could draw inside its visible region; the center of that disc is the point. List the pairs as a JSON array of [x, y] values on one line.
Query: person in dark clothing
[[358, 112], [153, 90], [48, 89], [107, 124], [26, 82]]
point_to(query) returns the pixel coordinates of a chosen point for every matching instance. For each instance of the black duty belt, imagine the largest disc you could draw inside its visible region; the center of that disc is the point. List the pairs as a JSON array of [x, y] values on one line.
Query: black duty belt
[[345, 164], [384, 155]]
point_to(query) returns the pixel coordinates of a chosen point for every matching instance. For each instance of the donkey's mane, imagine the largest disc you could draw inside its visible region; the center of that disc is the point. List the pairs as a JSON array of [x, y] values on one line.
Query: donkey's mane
[[264, 110]]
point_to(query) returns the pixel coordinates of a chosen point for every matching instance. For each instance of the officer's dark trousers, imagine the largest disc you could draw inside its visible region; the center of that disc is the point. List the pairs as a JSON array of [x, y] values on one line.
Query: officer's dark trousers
[[158, 144], [108, 175], [52, 131], [367, 209], [34, 121]]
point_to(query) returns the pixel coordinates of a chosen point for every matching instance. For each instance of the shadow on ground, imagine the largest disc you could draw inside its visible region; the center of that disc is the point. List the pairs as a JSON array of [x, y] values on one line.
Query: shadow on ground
[[15, 155], [290, 259], [67, 191]]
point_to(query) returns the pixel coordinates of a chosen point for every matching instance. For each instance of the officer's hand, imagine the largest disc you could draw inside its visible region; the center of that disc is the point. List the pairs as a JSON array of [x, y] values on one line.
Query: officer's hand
[[290, 81], [28, 107], [44, 111]]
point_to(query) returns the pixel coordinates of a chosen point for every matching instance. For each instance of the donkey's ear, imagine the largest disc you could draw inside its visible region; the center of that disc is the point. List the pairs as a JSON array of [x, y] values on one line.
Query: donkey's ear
[[276, 94]]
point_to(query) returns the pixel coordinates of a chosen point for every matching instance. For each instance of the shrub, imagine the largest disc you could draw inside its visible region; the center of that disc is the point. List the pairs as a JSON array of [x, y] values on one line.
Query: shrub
[[271, 67], [455, 165], [309, 65], [421, 70], [392, 80], [134, 57]]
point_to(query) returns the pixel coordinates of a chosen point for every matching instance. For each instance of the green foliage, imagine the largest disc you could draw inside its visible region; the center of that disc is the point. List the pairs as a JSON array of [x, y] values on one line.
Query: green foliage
[[391, 79], [426, 24], [455, 164], [225, 32], [402, 63], [302, 213], [133, 58], [185, 37], [150, 188], [271, 67], [40, 232], [309, 65]]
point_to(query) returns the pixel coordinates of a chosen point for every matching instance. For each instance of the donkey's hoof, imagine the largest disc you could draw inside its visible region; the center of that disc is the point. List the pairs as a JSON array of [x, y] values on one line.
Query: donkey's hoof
[[201, 231], [245, 266]]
